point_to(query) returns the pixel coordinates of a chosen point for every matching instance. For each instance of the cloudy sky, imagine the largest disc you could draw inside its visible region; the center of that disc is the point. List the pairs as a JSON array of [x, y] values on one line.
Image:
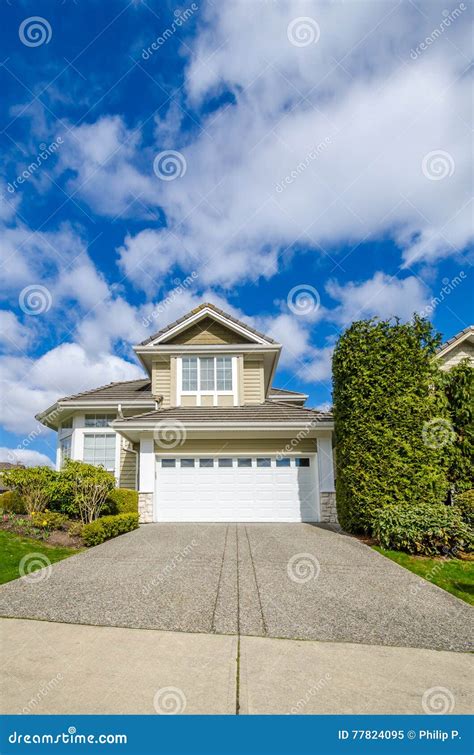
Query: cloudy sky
[[301, 164]]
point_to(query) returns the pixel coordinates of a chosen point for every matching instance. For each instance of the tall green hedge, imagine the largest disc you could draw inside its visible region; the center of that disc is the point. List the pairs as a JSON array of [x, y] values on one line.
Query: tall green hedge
[[459, 389], [391, 421]]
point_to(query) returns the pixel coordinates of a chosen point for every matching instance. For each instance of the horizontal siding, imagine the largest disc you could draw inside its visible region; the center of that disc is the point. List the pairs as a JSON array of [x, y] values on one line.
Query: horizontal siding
[[243, 446], [128, 469], [253, 388], [463, 351], [207, 332], [161, 380]]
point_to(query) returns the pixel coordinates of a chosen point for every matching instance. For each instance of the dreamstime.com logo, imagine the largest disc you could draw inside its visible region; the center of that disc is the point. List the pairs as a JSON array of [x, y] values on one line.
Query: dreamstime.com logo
[[169, 701], [437, 701], [169, 434], [34, 568], [35, 31], [303, 31], [303, 567], [35, 299], [303, 299], [437, 165], [169, 165]]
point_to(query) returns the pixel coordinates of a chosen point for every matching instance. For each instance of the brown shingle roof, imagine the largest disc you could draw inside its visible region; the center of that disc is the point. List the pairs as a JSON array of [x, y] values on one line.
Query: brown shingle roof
[[469, 329], [124, 391], [195, 311], [270, 411], [283, 392]]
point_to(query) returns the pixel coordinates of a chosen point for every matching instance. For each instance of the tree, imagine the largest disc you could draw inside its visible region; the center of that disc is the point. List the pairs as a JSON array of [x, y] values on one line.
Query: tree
[[90, 486], [33, 485], [459, 389], [391, 420]]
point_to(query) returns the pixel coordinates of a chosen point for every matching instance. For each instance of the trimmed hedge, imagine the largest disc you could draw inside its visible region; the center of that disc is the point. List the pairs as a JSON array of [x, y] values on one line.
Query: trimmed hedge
[[388, 403], [11, 502], [459, 389], [123, 501], [423, 529], [465, 504], [108, 527]]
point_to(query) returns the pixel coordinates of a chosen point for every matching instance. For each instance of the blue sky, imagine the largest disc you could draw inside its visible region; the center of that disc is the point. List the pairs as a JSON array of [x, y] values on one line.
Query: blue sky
[[316, 171]]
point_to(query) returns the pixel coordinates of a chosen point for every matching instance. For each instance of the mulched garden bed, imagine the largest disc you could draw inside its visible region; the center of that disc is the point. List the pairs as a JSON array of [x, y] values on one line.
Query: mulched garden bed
[[21, 525]]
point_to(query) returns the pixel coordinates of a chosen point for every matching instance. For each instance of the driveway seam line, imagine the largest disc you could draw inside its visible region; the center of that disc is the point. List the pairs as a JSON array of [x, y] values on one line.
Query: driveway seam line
[[213, 627], [264, 625]]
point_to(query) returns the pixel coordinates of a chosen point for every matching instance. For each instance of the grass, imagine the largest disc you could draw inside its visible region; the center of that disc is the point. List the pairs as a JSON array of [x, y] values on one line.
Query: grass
[[453, 575], [14, 547]]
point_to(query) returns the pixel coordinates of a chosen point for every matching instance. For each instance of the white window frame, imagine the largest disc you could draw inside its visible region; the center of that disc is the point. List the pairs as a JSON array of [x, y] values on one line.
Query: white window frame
[[96, 431], [200, 393]]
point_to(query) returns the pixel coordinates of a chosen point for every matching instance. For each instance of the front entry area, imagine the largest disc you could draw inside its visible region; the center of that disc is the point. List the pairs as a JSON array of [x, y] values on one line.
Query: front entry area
[[234, 488]]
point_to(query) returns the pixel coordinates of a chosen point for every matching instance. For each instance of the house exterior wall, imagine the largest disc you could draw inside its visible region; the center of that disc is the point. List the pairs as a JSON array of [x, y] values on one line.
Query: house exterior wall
[[251, 446], [128, 467], [207, 332], [161, 380], [253, 387], [464, 350]]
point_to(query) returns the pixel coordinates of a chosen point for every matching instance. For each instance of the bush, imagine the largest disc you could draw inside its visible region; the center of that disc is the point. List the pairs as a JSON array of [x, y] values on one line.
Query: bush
[[48, 520], [123, 501], [459, 389], [423, 529], [11, 501], [388, 403], [90, 486], [107, 527], [75, 529], [33, 485], [464, 502]]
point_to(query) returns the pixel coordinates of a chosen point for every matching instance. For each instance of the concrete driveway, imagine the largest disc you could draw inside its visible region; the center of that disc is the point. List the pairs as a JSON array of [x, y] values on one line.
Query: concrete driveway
[[294, 581]]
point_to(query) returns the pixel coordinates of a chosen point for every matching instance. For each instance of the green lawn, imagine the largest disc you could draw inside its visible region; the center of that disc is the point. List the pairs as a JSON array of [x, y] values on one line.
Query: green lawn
[[453, 575], [14, 547]]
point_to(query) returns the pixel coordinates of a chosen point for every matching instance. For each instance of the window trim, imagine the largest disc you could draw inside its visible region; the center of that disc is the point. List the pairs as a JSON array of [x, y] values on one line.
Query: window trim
[[199, 393], [94, 432]]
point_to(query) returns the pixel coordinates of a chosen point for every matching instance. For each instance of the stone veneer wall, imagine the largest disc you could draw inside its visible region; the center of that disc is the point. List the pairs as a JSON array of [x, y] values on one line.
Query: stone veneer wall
[[145, 507], [328, 508]]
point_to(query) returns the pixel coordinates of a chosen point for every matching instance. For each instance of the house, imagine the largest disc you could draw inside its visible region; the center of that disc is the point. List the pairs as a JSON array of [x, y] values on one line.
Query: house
[[460, 347], [206, 437]]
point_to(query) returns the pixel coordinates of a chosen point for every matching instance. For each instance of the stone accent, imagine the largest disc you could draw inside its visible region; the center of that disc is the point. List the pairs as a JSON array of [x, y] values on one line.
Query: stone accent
[[145, 507], [328, 508]]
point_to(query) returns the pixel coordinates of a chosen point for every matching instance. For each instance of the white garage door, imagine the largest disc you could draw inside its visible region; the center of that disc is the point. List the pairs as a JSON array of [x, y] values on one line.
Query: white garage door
[[236, 489]]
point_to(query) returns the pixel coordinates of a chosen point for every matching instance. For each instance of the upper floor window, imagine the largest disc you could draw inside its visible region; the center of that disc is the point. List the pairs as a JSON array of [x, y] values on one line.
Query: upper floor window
[[66, 424], [98, 420], [65, 450], [207, 374]]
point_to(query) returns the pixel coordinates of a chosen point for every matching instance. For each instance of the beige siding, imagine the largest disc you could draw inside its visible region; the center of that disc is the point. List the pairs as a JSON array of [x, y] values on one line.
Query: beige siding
[[225, 400], [465, 350], [253, 382], [188, 401], [128, 469], [207, 401], [161, 379], [207, 332], [244, 446]]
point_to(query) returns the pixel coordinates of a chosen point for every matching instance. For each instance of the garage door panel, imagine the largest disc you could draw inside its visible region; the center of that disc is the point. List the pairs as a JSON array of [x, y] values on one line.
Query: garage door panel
[[224, 493]]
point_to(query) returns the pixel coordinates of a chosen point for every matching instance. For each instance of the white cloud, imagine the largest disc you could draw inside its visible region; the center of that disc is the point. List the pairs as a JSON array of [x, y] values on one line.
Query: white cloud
[[25, 456], [13, 334]]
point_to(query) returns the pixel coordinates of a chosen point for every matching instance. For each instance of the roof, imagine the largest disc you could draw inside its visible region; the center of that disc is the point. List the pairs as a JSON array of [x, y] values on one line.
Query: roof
[[120, 391], [4, 465], [283, 392], [458, 338], [270, 411], [206, 305]]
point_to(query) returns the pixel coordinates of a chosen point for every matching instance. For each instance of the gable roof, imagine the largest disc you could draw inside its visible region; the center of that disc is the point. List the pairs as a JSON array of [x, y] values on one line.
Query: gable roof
[[450, 344], [205, 308]]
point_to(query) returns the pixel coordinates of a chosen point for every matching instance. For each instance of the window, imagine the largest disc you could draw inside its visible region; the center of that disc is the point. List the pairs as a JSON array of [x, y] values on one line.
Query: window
[[224, 373], [285, 462], [225, 462], [66, 423], [99, 449], [214, 373], [302, 462], [244, 462], [206, 462], [264, 462], [190, 377], [187, 463], [167, 463], [64, 450], [99, 420]]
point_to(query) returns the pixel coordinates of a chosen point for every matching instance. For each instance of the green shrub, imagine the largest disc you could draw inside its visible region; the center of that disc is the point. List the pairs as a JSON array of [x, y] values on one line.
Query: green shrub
[[424, 529], [91, 487], [123, 501], [48, 520], [33, 485], [11, 501], [389, 411], [75, 529], [459, 389], [464, 502], [107, 527]]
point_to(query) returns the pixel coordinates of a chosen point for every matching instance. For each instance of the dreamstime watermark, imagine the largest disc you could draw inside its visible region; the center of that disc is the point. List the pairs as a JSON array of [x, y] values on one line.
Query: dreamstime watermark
[[449, 17], [44, 690], [449, 285], [438, 433], [303, 31], [180, 18], [437, 701], [295, 441], [435, 570], [35, 299], [34, 568], [312, 691], [437, 165], [303, 299], [169, 701], [169, 165], [169, 434], [170, 567], [46, 150], [180, 287], [312, 155], [302, 568], [35, 31]]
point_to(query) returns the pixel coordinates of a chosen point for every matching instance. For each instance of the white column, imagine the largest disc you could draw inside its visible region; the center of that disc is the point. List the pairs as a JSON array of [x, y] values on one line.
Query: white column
[[325, 465], [146, 483]]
